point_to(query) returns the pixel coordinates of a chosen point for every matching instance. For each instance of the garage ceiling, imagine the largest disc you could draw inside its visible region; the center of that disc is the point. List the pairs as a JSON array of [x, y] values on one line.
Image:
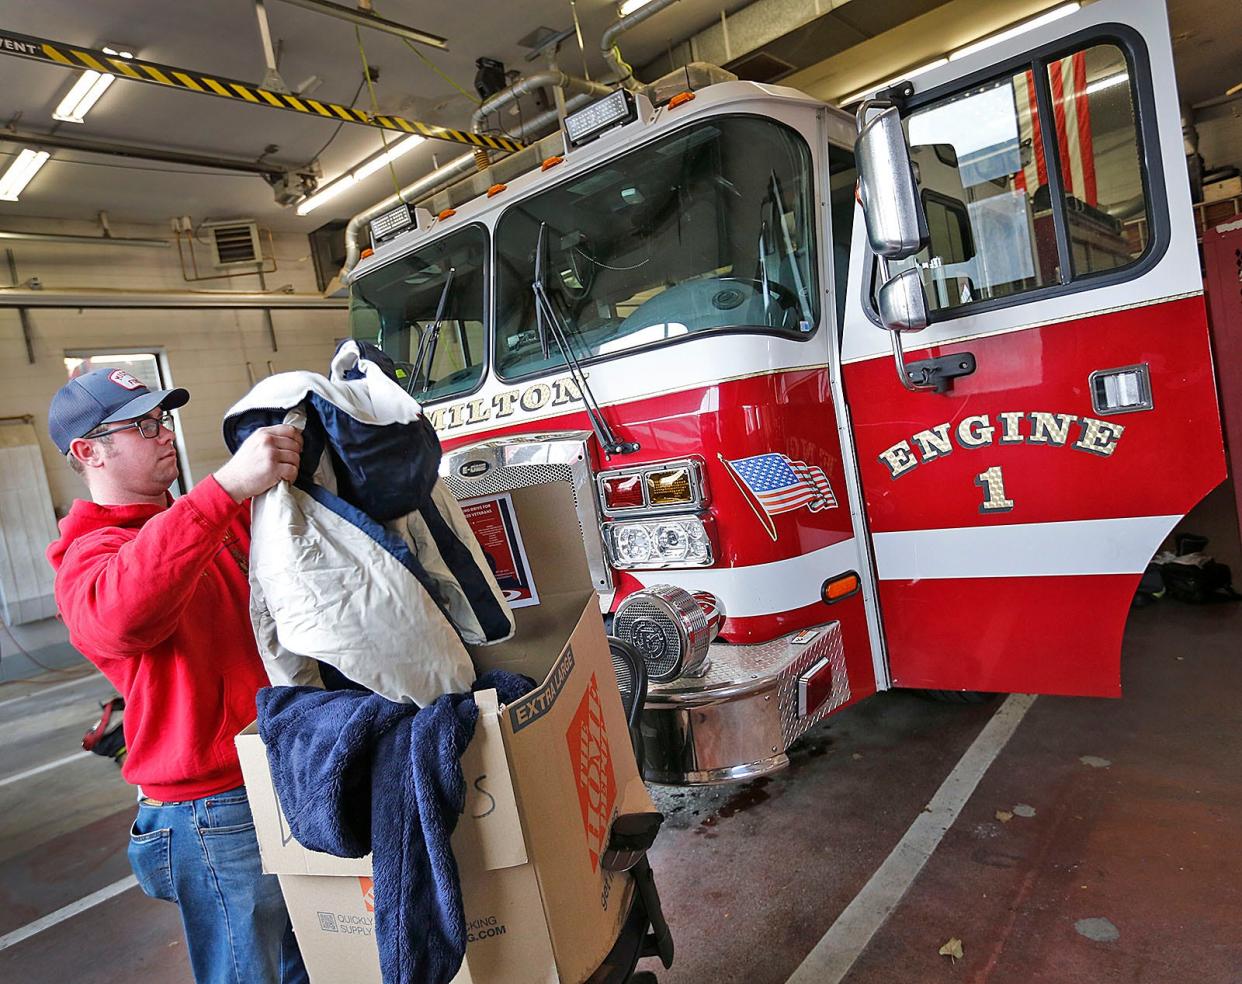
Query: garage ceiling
[[222, 37]]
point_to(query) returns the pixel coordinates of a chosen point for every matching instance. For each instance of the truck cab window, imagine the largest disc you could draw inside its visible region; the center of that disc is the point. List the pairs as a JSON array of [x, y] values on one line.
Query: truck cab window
[[1106, 205], [983, 162], [396, 307], [710, 228]]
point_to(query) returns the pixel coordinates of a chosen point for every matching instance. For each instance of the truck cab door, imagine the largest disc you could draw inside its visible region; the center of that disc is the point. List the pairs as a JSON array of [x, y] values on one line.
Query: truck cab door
[[1059, 412]]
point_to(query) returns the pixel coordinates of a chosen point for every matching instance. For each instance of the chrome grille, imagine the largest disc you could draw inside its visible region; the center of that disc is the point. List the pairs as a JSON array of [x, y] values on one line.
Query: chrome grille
[[509, 478]]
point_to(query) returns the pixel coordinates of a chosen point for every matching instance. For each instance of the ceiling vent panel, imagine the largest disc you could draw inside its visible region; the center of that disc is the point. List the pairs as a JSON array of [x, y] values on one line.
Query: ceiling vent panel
[[234, 244], [760, 66]]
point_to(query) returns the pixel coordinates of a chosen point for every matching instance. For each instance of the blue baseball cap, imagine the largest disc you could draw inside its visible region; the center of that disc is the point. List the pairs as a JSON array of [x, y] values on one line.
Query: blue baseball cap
[[104, 396]]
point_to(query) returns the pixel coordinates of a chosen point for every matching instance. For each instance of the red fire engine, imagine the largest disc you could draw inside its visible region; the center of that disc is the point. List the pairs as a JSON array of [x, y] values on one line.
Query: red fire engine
[[821, 447]]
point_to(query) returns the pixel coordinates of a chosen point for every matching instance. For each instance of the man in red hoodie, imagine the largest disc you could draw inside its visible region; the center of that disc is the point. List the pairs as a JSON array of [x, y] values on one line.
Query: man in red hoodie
[[155, 593]]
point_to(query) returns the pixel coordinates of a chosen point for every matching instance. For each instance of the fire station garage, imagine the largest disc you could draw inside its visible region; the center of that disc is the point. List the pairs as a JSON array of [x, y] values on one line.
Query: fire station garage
[[620, 491]]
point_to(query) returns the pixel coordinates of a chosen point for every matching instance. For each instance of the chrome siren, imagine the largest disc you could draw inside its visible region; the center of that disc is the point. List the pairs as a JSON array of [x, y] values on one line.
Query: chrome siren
[[671, 628]]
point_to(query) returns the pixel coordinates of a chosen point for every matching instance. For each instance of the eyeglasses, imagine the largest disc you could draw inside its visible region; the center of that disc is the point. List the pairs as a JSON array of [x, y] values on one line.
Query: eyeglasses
[[148, 427]]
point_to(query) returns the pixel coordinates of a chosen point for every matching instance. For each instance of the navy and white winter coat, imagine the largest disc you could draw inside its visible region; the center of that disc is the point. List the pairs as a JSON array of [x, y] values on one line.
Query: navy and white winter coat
[[366, 561]]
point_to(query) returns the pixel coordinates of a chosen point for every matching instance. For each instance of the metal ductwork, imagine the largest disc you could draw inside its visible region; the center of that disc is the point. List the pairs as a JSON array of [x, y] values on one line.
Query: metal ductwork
[[228, 300], [612, 53], [552, 78]]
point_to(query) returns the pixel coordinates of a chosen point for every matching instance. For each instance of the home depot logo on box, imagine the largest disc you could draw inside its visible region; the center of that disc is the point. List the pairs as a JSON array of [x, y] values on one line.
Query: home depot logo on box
[[368, 892], [592, 762]]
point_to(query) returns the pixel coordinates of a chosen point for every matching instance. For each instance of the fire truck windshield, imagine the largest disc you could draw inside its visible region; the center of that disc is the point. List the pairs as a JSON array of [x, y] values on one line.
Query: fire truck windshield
[[709, 228], [398, 305]]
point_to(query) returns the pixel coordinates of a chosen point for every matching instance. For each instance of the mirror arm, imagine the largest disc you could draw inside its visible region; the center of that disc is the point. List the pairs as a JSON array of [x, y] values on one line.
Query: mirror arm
[[899, 355], [899, 358]]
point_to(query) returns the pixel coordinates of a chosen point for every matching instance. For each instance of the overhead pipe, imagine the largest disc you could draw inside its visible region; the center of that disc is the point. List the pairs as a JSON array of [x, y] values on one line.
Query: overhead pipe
[[64, 142], [71, 240], [228, 300], [552, 78], [439, 179], [612, 52], [364, 17]]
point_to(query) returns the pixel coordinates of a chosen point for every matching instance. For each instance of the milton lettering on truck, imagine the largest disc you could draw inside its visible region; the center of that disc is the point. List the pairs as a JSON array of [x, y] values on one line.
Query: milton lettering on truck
[[794, 423]]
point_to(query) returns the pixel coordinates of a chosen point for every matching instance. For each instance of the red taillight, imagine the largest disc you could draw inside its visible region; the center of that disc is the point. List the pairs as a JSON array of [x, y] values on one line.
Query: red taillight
[[623, 492]]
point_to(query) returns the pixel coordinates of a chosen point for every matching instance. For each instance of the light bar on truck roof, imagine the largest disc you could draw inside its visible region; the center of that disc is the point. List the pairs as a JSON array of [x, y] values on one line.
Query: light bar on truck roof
[[603, 114], [390, 223]]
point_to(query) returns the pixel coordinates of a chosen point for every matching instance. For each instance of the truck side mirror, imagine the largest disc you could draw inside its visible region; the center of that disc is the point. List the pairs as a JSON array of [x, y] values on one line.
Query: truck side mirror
[[892, 208], [902, 302]]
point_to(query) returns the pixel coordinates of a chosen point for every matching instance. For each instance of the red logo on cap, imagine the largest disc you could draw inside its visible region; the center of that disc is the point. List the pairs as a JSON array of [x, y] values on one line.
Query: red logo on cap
[[123, 378]]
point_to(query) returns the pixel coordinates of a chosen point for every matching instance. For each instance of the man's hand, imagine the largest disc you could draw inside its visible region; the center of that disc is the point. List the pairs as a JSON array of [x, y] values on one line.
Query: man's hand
[[268, 456]]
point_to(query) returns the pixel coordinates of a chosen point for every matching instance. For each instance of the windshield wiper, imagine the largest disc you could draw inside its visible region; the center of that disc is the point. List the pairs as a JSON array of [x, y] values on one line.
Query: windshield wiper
[[548, 321], [431, 337]]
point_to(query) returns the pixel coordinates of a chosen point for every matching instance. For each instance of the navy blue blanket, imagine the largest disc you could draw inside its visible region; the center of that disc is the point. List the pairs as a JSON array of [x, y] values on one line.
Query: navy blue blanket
[[357, 773]]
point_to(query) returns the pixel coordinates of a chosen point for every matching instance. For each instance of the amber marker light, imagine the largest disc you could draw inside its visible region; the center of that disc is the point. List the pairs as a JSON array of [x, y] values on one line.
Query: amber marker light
[[670, 487], [837, 588]]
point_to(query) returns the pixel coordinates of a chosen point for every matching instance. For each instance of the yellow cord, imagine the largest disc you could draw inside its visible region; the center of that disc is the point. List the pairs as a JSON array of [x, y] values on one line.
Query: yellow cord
[[435, 68], [366, 74]]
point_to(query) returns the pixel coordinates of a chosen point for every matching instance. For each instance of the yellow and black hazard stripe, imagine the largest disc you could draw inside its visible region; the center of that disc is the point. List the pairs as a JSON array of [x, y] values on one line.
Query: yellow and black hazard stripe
[[136, 70]]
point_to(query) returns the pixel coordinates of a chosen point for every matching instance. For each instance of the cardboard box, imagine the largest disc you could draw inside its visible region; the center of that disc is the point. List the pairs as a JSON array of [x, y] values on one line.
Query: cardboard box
[[546, 776], [1225, 188]]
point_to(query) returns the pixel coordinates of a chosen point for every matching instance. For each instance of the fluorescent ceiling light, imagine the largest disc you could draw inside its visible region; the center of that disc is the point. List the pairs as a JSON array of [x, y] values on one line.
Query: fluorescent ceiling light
[[331, 191], [369, 167], [629, 6], [359, 173], [24, 167], [1056, 13], [86, 92]]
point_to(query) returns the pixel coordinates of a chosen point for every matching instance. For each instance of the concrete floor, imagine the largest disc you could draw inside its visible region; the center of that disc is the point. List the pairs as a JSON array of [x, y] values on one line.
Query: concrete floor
[[1133, 818]]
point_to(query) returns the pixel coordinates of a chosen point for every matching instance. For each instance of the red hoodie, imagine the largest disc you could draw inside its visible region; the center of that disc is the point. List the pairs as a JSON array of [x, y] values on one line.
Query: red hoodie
[[156, 597]]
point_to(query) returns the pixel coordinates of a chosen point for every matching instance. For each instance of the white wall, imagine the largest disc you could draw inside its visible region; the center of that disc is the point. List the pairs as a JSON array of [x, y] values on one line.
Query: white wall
[[208, 352]]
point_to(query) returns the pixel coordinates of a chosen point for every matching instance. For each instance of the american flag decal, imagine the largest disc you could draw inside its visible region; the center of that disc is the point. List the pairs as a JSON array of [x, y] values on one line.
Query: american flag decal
[[780, 485]]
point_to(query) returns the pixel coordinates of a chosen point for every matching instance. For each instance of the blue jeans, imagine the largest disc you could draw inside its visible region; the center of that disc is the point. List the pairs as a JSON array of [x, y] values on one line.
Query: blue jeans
[[203, 855]]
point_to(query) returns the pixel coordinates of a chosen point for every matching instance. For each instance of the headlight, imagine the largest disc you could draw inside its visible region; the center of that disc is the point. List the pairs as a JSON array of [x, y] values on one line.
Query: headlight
[[672, 542]]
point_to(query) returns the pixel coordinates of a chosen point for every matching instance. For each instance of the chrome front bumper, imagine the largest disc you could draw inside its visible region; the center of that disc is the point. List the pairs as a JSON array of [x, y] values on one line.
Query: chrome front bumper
[[738, 720]]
